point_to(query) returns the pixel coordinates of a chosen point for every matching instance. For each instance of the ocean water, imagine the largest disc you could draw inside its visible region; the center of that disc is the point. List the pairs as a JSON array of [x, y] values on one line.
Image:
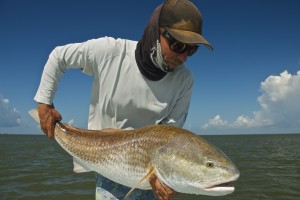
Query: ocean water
[[35, 167]]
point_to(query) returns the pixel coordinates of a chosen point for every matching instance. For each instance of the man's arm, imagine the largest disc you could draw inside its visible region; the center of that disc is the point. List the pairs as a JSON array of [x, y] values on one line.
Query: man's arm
[[60, 59]]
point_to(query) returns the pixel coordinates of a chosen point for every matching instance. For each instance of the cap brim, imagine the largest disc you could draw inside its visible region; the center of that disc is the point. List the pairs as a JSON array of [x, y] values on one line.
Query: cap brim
[[189, 37]]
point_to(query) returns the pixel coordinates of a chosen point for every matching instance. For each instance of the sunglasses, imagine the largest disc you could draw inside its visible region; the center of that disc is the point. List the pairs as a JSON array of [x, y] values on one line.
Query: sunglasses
[[177, 46]]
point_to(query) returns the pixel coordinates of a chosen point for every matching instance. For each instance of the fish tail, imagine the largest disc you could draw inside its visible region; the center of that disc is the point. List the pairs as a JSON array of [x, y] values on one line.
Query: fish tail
[[34, 114]]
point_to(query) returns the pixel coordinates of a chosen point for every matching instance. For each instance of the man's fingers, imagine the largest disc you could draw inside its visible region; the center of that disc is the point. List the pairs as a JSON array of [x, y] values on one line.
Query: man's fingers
[[158, 189], [152, 179], [48, 118], [56, 115], [51, 132], [48, 127], [171, 193]]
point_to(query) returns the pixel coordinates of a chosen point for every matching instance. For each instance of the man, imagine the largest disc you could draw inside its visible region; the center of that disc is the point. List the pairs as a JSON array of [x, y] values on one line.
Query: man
[[135, 83]]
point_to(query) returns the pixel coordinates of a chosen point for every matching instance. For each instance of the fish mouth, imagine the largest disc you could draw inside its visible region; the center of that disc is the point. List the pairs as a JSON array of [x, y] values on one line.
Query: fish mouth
[[222, 188], [227, 184]]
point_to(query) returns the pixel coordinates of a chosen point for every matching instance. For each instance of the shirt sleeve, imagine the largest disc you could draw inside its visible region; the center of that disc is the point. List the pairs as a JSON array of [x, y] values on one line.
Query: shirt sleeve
[[179, 112], [60, 59], [87, 56]]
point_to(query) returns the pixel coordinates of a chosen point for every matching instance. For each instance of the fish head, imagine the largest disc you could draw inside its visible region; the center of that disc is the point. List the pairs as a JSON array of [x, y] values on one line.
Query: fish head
[[189, 164]]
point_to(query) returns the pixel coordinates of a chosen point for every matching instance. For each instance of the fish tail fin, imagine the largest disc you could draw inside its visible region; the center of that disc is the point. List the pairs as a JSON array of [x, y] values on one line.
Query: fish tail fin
[[34, 114], [151, 171]]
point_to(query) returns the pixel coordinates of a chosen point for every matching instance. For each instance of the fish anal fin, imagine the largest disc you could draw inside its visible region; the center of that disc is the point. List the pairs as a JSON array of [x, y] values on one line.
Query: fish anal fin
[[151, 171], [78, 167]]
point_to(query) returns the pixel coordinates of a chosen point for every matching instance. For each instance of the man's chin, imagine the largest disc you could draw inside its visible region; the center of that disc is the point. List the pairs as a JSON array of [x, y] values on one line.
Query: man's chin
[[173, 65]]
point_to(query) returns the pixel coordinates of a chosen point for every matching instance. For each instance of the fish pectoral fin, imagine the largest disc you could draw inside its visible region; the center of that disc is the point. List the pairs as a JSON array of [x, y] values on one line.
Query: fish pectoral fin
[[151, 171], [79, 168]]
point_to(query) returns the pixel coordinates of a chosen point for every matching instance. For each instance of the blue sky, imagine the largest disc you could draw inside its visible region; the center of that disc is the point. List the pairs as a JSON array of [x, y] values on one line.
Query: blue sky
[[249, 84]]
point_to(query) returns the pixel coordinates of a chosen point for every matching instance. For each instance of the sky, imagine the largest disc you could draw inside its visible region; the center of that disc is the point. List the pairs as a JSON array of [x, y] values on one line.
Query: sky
[[249, 83]]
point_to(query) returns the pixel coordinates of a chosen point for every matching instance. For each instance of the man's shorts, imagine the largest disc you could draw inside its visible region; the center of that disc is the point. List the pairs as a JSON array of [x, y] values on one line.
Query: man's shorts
[[109, 190]]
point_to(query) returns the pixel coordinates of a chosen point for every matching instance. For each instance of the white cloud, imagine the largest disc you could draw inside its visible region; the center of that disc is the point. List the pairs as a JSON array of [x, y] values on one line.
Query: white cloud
[[280, 99], [9, 117], [279, 103], [216, 122]]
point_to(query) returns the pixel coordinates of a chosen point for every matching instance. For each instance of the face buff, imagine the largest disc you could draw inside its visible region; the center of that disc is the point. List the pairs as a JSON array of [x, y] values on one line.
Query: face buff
[[157, 58], [148, 50]]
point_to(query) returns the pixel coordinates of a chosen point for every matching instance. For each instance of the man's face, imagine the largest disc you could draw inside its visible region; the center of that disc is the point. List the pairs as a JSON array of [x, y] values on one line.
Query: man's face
[[174, 58], [171, 58]]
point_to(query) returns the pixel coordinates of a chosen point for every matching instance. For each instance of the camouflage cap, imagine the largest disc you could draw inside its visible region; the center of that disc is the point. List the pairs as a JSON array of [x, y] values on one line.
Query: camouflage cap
[[183, 21]]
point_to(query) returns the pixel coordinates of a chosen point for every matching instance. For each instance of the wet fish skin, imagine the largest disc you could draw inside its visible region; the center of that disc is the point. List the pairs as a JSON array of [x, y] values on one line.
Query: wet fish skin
[[123, 156], [182, 160]]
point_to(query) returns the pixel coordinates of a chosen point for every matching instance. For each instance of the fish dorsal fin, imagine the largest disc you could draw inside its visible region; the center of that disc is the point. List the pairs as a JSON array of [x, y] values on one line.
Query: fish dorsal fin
[[151, 171]]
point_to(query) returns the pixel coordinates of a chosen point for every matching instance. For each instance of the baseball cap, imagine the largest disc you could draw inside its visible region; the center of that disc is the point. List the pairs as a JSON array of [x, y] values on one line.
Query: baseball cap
[[183, 21]]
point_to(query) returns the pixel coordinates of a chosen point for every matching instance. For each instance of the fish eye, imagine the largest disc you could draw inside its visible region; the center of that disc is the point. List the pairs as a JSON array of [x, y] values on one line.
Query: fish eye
[[209, 164]]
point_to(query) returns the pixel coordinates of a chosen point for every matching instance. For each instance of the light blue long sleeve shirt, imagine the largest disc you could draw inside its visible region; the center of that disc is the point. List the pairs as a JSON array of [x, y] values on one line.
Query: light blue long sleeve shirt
[[121, 96]]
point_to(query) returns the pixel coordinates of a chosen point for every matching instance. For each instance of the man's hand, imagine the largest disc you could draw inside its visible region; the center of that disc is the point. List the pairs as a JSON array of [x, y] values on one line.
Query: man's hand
[[160, 190], [48, 118]]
